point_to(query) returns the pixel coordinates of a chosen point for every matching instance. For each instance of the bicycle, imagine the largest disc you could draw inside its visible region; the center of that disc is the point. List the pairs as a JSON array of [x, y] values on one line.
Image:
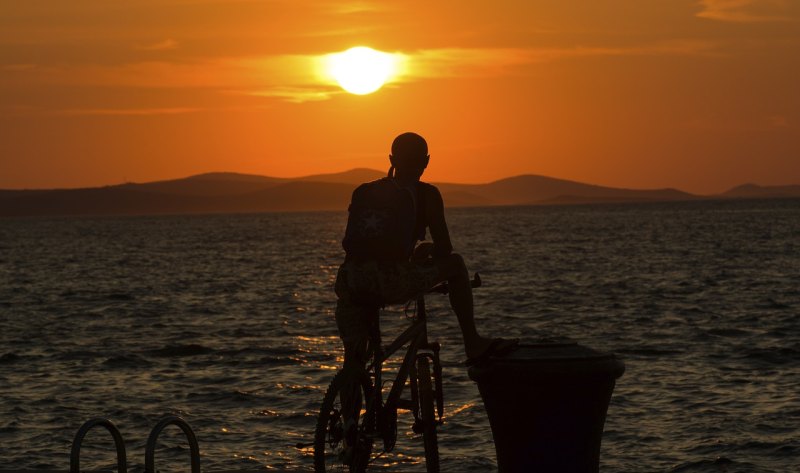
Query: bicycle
[[344, 442]]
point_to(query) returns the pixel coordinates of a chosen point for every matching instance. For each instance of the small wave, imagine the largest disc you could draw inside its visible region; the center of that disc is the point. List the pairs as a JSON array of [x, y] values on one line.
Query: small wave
[[127, 361], [46, 401], [773, 304], [79, 355], [791, 451], [236, 396], [647, 351], [239, 352], [276, 361], [217, 380], [191, 349], [9, 428], [778, 356], [719, 465], [727, 332], [9, 358]]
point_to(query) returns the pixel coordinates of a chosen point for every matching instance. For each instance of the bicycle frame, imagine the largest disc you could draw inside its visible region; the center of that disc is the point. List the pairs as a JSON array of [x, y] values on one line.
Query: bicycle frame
[[417, 337], [335, 438]]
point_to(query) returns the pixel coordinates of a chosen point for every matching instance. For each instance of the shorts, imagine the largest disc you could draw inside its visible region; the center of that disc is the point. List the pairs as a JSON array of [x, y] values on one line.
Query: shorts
[[362, 287]]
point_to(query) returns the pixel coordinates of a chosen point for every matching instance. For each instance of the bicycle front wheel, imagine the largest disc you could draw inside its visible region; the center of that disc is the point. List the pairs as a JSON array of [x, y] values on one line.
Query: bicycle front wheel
[[344, 435], [426, 408]]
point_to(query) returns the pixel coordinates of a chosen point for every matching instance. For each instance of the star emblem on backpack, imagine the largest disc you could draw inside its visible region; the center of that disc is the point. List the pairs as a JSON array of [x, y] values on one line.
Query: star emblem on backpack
[[372, 223]]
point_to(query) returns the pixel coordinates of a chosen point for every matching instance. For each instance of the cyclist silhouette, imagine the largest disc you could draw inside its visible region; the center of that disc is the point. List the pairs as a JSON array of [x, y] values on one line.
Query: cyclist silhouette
[[385, 265]]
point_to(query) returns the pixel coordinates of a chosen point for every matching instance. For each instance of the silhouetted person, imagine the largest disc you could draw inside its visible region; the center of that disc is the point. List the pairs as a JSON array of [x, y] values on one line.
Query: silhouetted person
[[384, 264]]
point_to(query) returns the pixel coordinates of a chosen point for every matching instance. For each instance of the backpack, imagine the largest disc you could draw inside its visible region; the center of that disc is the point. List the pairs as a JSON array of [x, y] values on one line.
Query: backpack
[[382, 222]]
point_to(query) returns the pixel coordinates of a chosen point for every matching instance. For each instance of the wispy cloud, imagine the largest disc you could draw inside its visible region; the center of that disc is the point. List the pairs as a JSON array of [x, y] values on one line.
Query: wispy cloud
[[22, 110], [349, 8], [746, 11], [126, 111], [459, 62], [293, 94], [302, 78], [165, 45]]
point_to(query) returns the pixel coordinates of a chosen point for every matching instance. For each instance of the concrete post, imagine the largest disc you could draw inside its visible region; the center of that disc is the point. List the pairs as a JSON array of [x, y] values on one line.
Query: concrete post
[[547, 404]]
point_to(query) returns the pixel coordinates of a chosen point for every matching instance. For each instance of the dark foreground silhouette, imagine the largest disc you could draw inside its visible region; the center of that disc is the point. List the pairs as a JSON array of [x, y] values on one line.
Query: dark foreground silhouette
[[388, 262], [384, 264]]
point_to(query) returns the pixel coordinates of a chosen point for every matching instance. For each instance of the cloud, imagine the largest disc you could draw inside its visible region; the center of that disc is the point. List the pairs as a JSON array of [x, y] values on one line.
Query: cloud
[[166, 45], [303, 78], [293, 94], [126, 111], [213, 73], [25, 110], [351, 8], [460, 62], [746, 11]]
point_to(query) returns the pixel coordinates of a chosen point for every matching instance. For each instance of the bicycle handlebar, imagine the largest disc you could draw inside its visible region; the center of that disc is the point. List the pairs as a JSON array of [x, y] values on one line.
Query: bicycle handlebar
[[442, 288]]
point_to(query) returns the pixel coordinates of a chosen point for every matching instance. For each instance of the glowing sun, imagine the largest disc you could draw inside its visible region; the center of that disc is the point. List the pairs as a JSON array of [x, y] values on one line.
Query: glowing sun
[[361, 70]]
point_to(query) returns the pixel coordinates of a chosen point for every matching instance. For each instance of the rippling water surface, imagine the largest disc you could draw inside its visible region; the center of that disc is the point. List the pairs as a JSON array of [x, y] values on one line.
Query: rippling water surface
[[227, 320]]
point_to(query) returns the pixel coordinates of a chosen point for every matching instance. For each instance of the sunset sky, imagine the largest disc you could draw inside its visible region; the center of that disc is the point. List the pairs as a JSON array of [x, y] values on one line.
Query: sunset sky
[[700, 95]]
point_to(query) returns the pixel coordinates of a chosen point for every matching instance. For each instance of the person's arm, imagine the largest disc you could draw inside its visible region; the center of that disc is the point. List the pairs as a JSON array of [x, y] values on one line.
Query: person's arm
[[436, 223]]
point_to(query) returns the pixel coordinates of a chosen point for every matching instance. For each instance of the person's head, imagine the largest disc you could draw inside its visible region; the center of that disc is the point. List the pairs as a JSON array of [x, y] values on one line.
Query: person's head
[[409, 155]]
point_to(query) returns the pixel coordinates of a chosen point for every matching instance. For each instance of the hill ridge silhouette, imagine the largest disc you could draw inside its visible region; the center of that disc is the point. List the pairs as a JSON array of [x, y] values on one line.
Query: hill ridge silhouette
[[230, 192]]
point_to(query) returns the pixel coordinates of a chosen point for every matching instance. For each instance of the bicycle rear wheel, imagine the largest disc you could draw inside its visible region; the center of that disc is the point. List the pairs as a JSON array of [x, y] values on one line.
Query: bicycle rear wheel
[[343, 442], [426, 400]]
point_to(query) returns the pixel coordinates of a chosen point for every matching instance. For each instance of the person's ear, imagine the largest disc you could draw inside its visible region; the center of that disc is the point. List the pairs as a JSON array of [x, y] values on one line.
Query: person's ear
[[391, 160], [426, 161]]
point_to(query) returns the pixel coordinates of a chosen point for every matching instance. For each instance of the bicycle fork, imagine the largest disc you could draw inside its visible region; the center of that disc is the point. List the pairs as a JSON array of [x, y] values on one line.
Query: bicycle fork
[[433, 356], [437, 380]]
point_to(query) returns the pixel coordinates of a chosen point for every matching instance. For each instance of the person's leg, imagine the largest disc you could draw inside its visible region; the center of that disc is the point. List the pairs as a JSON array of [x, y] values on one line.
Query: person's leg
[[453, 270], [352, 322], [355, 352], [352, 330], [351, 318]]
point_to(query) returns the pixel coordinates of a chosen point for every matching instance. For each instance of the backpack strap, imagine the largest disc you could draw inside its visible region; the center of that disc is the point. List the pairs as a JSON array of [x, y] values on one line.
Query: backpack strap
[[418, 202], [422, 223]]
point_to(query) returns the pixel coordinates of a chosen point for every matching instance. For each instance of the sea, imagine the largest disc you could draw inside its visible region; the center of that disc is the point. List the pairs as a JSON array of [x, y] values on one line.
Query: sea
[[227, 321]]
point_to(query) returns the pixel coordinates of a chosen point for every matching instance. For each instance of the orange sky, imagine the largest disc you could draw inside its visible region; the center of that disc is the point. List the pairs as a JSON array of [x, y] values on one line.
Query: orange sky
[[700, 95]]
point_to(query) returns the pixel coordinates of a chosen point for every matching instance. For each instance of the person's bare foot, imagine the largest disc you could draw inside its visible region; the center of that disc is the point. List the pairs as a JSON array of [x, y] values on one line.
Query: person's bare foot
[[486, 347], [477, 347]]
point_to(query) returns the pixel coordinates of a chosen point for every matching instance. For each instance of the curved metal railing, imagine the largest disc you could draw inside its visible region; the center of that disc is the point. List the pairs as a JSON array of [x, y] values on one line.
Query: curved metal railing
[[75, 454], [149, 453]]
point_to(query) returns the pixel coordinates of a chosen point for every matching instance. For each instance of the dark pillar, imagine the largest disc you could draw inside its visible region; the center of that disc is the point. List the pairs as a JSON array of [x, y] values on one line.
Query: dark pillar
[[547, 404]]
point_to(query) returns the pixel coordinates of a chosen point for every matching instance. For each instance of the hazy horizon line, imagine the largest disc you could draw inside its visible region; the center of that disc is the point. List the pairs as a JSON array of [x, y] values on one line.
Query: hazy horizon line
[[306, 176]]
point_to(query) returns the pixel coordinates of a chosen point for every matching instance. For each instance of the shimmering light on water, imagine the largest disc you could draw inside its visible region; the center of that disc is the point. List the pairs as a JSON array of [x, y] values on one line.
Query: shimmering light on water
[[228, 321]]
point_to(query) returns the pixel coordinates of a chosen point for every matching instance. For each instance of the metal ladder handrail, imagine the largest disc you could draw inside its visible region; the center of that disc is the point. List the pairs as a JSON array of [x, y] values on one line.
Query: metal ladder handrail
[[74, 457], [149, 453]]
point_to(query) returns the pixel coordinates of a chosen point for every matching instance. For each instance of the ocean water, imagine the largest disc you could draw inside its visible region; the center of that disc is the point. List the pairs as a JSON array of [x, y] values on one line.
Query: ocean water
[[227, 320]]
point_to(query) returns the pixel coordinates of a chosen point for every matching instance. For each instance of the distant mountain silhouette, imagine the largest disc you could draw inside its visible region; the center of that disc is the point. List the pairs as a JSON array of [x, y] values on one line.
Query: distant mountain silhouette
[[211, 184], [532, 189], [224, 192], [354, 176], [754, 191]]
